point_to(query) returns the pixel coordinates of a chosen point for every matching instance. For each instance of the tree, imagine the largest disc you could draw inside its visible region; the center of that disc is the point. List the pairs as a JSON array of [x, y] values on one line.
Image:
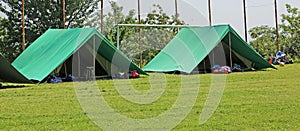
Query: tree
[[264, 40], [153, 38], [41, 15], [111, 20], [5, 46], [156, 38], [291, 31], [289, 35]]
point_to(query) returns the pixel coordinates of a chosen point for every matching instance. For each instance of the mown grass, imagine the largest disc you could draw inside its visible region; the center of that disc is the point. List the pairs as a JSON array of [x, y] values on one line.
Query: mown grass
[[261, 100]]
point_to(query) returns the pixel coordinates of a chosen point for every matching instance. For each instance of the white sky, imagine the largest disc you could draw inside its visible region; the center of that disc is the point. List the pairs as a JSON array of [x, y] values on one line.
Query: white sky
[[195, 12]]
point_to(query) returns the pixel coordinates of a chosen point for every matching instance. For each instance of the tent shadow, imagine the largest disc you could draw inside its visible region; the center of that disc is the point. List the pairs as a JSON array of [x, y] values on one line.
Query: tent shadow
[[11, 86]]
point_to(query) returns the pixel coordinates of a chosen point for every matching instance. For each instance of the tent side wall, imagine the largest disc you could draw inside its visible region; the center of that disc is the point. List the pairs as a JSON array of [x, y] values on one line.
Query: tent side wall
[[245, 50], [9, 74]]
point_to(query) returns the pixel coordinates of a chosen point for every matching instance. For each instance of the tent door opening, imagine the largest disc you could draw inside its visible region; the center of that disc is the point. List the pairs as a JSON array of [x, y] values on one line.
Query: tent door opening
[[221, 55]]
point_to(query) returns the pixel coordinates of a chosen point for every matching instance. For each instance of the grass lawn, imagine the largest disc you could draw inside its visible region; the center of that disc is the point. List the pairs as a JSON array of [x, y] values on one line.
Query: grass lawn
[[261, 100]]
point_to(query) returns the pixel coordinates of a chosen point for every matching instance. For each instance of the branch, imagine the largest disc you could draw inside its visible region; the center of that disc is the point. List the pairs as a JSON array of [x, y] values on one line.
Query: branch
[[75, 16]]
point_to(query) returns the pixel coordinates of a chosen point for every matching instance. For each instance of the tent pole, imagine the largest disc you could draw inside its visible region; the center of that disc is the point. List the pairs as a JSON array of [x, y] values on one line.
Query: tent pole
[[78, 57], [168, 26], [94, 56], [23, 26], [204, 63], [213, 57], [230, 53], [101, 6], [245, 20], [176, 15], [176, 12], [118, 36], [65, 65], [141, 48], [276, 26], [140, 34], [64, 13], [209, 13], [64, 25]]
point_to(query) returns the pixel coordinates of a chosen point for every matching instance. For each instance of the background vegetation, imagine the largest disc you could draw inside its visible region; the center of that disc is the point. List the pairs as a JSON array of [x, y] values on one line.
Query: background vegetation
[[40, 15], [153, 39], [38, 20], [44, 14], [264, 37]]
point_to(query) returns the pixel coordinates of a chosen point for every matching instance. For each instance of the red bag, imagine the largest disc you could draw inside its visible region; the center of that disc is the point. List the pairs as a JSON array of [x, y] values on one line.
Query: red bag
[[134, 74]]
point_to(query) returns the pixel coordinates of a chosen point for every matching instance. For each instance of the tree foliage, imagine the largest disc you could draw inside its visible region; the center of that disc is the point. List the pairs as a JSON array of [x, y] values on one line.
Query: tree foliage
[[265, 40], [289, 35], [291, 31], [156, 38], [40, 15], [5, 46], [152, 39]]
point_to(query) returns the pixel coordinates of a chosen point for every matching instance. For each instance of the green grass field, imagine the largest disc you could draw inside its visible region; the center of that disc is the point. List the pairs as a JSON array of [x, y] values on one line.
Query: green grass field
[[261, 100]]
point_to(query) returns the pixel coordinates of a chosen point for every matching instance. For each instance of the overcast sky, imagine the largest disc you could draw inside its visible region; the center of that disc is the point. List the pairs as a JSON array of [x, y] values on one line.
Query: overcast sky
[[195, 12]]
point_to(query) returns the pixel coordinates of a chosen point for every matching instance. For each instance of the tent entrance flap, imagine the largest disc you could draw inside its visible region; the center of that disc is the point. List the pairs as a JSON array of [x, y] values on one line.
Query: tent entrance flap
[[218, 56], [222, 55], [107, 68], [85, 63], [235, 58], [84, 59]]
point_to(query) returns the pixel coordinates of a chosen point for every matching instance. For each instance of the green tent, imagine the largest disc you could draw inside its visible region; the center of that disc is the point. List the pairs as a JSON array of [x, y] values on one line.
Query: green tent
[[199, 48], [9, 74], [78, 51]]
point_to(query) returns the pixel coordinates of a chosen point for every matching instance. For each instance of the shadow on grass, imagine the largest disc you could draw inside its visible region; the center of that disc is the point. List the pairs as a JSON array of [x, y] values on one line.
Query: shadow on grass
[[10, 86]]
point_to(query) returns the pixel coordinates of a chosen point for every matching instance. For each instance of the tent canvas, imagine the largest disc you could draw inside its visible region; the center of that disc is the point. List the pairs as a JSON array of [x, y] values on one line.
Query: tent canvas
[[59, 48], [195, 46], [9, 74]]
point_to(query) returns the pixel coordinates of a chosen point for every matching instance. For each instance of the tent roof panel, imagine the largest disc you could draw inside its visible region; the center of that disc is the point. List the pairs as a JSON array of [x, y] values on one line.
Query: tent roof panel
[[191, 45], [56, 45]]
